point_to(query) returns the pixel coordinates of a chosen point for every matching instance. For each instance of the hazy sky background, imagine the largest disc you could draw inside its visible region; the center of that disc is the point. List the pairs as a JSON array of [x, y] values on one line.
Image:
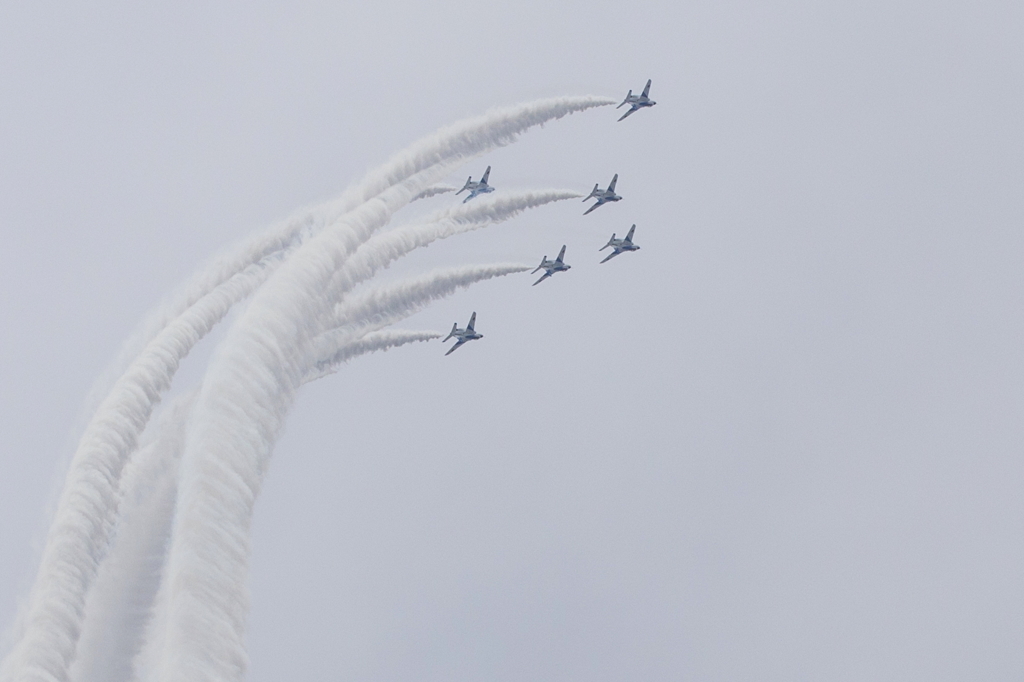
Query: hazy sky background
[[783, 441]]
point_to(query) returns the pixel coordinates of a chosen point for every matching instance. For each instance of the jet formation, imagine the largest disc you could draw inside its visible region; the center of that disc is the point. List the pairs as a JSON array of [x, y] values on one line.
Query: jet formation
[[551, 267]]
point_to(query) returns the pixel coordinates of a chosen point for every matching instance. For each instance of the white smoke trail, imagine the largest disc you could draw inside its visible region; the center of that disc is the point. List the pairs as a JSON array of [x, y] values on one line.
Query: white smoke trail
[[118, 606], [45, 653], [433, 191], [468, 138], [378, 308], [382, 307], [383, 249], [79, 534], [374, 341], [55, 607]]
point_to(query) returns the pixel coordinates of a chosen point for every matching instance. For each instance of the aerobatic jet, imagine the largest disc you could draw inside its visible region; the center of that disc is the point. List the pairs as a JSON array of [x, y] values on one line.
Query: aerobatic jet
[[463, 335], [620, 245], [550, 267], [476, 188], [603, 196], [636, 102]]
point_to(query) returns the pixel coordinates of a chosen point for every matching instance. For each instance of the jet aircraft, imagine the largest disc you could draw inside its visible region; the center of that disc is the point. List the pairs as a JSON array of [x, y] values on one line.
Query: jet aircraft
[[620, 245], [550, 267], [636, 102], [463, 335], [476, 188], [603, 196]]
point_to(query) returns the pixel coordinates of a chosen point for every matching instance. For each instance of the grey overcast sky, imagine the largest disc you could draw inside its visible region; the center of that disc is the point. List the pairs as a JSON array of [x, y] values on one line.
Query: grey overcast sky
[[783, 441]]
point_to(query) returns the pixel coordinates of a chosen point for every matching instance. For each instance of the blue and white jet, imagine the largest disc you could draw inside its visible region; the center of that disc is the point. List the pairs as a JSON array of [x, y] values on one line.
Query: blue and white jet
[[636, 102], [620, 245], [603, 196], [476, 188], [551, 266], [463, 335]]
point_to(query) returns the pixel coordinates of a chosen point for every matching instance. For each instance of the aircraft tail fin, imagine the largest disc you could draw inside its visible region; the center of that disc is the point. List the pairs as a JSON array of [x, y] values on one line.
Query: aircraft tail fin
[[469, 181], [451, 333], [542, 261], [625, 100], [592, 194], [608, 244]]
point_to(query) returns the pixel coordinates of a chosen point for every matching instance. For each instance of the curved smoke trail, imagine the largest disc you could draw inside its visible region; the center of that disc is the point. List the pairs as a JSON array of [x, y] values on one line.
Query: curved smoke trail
[[374, 341], [382, 307], [386, 305], [79, 534], [433, 191], [246, 394], [118, 607], [383, 249]]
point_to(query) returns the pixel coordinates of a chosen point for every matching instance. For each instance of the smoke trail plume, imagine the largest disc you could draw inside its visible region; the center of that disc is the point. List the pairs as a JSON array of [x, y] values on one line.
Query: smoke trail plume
[[384, 249], [382, 307], [118, 606], [238, 413], [79, 534], [80, 529], [374, 341], [433, 191]]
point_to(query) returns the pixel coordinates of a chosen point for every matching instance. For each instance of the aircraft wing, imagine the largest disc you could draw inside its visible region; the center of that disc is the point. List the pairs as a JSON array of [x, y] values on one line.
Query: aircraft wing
[[647, 88], [561, 254], [611, 255], [457, 344], [629, 235], [487, 174], [472, 321], [599, 203], [611, 187], [542, 278], [627, 113]]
